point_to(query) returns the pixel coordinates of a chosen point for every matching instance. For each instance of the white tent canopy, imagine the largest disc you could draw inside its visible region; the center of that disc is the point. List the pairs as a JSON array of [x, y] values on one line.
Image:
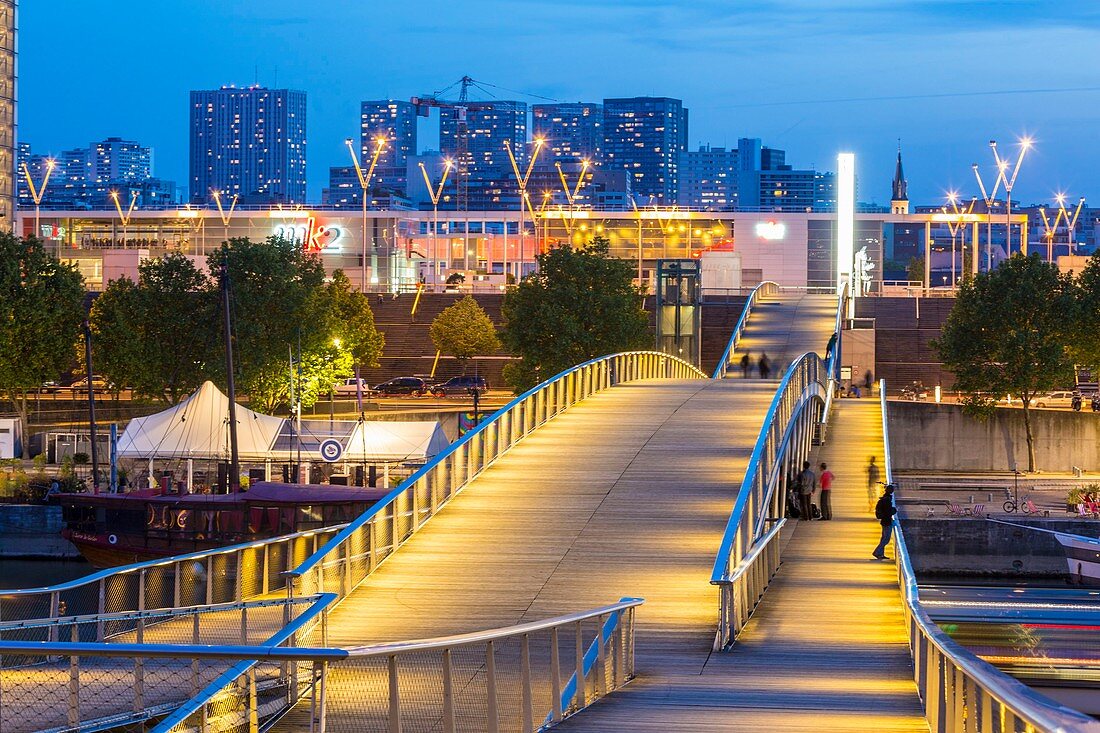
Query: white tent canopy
[[379, 441], [198, 428]]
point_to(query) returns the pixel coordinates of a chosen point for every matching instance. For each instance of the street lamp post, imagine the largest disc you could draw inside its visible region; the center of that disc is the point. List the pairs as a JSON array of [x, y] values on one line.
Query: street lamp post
[[522, 181], [1048, 230], [1071, 222], [989, 197], [225, 217], [37, 192], [436, 192], [364, 185], [124, 218], [1002, 167]]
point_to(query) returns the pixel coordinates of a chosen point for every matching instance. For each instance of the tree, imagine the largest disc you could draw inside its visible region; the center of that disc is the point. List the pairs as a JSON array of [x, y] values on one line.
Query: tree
[[1085, 344], [353, 321], [464, 330], [157, 335], [580, 304], [275, 308], [915, 270], [41, 312], [1007, 334]]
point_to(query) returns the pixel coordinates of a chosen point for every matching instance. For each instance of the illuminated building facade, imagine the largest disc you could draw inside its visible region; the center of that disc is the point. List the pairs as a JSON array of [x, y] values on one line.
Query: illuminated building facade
[[573, 132], [708, 179], [248, 142], [8, 29], [395, 121], [645, 136]]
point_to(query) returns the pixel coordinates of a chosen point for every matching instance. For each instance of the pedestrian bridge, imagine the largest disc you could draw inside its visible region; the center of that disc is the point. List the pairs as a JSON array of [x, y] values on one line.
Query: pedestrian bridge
[[620, 523]]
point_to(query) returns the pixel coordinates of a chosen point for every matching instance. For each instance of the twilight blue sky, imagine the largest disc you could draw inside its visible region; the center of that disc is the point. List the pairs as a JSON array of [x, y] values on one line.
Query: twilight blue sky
[[811, 76]]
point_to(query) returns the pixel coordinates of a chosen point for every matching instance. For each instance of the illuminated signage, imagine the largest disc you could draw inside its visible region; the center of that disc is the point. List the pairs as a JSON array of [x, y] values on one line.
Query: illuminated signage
[[770, 230], [49, 231], [312, 236]]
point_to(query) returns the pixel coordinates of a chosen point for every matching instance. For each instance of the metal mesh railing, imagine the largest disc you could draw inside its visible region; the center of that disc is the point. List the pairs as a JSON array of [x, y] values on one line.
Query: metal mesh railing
[[513, 679], [142, 674], [961, 692], [350, 556], [748, 556], [226, 575], [763, 290]]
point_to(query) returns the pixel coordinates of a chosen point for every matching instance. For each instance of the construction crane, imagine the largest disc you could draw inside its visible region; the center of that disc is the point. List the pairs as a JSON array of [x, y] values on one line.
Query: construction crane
[[458, 109]]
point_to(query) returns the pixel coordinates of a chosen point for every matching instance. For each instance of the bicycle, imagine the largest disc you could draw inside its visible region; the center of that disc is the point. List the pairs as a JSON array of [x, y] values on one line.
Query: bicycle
[[1010, 506]]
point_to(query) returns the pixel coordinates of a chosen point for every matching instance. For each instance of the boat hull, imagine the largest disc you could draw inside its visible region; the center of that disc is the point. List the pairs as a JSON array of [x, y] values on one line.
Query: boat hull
[[1082, 557]]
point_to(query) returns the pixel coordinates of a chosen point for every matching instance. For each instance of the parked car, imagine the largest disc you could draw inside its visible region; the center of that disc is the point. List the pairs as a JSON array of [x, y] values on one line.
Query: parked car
[[348, 387], [99, 384], [1063, 398], [459, 386], [50, 387], [402, 385]]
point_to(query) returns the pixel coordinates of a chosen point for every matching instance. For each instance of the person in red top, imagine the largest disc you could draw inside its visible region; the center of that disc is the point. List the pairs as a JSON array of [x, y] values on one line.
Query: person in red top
[[825, 481]]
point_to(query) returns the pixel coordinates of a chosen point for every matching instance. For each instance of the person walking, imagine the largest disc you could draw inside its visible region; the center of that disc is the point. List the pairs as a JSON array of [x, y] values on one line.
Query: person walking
[[807, 482], [764, 366], [884, 512], [825, 481], [745, 364], [873, 476], [869, 383]]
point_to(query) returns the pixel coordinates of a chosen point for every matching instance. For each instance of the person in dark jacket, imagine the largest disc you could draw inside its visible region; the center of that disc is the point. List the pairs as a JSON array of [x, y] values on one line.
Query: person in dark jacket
[[884, 512]]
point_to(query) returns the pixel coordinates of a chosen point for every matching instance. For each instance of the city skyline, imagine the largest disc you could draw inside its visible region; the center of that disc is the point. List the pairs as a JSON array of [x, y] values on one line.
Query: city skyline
[[717, 68]]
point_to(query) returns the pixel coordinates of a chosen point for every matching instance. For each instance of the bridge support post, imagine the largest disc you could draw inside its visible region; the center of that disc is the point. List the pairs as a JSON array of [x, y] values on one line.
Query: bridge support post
[[525, 684], [582, 683], [493, 718], [395, 696], [555, 675], [448, 694], [74, 683]]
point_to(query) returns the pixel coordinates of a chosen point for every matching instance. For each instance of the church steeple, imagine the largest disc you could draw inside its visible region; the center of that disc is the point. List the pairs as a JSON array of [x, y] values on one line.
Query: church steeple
[[899, 197]]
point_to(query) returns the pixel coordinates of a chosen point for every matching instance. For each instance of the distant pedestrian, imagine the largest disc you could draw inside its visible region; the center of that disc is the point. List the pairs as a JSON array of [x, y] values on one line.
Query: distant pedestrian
[[807, 482], [869, 382], [884, 512], [873, 476], [746, 363], [825, 481], [765, 366]]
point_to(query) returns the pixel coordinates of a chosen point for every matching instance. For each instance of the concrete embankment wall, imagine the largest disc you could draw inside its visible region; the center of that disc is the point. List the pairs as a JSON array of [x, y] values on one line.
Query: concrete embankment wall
[[33, 531], [968, 547], [930, 437]]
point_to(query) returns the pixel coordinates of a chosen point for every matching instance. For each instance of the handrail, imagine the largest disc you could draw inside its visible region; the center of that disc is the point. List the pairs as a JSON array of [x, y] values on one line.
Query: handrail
[[749, 553], [833, 354], [469, 455], [722, 570], [974, 688], [481, 637], [763, 289]]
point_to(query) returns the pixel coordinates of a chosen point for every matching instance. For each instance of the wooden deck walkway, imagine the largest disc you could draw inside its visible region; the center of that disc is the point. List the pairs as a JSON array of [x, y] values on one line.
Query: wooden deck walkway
[[628, 494], [826, 650]]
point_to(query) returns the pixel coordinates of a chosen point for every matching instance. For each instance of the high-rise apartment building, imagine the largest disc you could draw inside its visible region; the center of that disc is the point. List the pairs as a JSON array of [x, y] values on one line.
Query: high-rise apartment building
[[8, 30], [573, 132], [249, 142], [486, 171], [645, 136], [395, 121], [116, 160], [83, 178], [708, 179]]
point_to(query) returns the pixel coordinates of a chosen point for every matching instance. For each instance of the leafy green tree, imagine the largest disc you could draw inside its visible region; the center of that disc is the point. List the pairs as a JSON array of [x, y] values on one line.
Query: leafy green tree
[[580, 304], [464, 330], [915, 269], [274, 306], [353, 321], [157, 335], [1007, 334], [1085, 344], [321, 369], [41, 313]]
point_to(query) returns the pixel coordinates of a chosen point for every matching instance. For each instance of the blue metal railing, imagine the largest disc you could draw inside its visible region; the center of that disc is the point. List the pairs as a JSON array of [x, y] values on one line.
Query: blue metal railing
[[358, 547], [961, 692], [748, 555], [762, 290]]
